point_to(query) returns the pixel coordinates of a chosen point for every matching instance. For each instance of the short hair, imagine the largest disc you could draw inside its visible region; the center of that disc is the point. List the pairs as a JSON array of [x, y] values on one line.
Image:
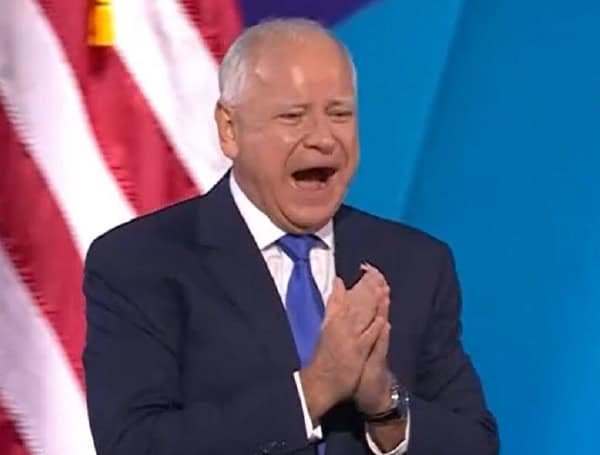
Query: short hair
[[234, 68]]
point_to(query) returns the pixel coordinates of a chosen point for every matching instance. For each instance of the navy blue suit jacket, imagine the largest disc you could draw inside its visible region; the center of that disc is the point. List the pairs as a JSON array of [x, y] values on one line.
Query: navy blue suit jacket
[[189, 351]]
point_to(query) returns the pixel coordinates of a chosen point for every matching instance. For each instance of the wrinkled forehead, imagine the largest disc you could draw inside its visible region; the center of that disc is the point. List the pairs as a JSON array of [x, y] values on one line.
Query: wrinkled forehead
[[308, 66]]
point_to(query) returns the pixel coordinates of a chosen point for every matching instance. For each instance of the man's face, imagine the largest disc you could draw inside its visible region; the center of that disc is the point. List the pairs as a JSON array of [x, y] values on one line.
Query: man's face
[[293, 136]]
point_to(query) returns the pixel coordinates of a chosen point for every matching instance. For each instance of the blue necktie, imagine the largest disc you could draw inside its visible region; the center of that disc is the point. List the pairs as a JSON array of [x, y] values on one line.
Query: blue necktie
[[303, 301]]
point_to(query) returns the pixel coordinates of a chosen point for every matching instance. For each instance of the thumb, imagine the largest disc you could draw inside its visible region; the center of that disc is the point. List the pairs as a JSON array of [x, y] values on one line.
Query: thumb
[[336, 300]]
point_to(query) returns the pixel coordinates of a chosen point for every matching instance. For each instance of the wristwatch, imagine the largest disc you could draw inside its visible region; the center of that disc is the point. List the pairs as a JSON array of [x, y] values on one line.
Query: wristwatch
[[399, 408]]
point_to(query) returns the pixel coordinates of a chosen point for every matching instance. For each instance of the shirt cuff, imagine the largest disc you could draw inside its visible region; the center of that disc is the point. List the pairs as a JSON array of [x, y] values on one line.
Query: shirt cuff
[[312, 433], [400, 449]]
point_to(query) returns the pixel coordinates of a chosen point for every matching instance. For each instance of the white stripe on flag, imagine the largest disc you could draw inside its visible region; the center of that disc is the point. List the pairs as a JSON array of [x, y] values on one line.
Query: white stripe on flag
[[37, 383], [41, 97], [178, 76]]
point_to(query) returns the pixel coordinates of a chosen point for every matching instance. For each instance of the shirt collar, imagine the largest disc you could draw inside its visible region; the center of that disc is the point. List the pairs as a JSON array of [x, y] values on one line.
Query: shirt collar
[[263, 230]]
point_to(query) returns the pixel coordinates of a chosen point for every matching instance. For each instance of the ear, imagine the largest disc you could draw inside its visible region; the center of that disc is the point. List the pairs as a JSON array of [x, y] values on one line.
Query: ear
[[226, 130]]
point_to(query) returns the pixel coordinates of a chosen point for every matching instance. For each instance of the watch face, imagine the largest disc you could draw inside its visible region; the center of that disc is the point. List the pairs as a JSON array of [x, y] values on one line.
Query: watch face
[[399, 408]]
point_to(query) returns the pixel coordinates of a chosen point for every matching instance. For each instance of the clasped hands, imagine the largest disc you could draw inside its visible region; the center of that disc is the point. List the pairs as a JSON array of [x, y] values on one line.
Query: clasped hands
[[350, 361]]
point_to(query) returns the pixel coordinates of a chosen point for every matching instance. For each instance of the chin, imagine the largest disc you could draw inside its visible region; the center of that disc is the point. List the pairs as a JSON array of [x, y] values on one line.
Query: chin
[[311, 219]]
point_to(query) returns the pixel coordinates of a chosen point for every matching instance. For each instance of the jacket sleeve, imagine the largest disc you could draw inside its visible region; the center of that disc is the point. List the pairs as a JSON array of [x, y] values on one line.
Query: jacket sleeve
[[448, 411], [135, 402]]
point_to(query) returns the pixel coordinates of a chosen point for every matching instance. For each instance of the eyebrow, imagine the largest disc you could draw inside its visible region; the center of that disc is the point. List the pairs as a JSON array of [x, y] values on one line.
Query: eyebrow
[[348, 101], [293, 105]]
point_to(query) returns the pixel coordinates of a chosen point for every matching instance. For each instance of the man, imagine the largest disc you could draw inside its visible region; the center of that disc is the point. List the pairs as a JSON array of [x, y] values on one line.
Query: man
[[218, 325]]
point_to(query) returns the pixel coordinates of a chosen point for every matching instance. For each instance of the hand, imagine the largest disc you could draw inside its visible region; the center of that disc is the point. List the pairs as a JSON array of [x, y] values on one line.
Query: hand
[[366, 296], [339, 358], [373, 392]]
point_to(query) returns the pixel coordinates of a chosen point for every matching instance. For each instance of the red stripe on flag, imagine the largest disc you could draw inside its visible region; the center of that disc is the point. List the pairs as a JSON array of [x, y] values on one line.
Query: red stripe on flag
[[132, 142], [37, 239], [10, 441], [218, 22], [34, 234]]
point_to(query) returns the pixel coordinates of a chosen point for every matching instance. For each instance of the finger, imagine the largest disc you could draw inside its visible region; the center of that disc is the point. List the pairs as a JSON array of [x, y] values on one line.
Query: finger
[[383, 308], [382, 344], [368, 338], [382, 293], [377, 286], [361, 291], [365, 297], [362, 308], [363, 314], [336, 300], [338, 286], [375, 274], [380, 297]]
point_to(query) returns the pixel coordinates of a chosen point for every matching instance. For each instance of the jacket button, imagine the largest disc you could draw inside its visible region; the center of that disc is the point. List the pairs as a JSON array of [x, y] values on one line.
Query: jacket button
[[268, 447]]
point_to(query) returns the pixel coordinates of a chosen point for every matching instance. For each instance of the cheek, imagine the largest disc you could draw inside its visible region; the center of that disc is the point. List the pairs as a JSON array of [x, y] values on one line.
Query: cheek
[[278, 138], [350, 145], [347, 135], [266, 158], [275, 148]]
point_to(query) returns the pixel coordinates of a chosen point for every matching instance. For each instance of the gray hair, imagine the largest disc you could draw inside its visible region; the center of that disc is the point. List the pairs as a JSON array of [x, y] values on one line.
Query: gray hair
[[234, 68]]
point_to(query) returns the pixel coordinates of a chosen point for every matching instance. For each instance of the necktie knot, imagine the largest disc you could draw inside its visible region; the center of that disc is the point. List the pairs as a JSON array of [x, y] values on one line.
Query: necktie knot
[[297, 247]]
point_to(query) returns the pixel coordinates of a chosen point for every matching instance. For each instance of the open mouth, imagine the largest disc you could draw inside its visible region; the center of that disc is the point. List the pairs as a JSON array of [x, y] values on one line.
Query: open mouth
[[313, 177]]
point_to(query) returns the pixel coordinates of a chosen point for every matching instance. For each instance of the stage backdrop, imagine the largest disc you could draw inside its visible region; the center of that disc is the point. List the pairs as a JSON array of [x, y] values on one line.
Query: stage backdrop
[[480, 123]]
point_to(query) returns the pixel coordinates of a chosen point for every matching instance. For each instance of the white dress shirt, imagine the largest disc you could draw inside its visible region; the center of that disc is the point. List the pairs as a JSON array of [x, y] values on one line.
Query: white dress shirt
[[322, 263]]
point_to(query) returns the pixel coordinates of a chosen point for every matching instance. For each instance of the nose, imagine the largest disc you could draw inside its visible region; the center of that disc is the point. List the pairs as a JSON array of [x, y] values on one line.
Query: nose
[[319, 135]]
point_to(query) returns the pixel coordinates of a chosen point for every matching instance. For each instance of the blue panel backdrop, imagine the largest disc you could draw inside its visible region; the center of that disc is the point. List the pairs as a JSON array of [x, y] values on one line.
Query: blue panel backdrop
[[480, 122]]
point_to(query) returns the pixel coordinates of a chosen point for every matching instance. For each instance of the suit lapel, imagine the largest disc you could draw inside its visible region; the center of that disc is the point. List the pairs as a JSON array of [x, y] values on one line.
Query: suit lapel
[[348, 252], [236, 263]]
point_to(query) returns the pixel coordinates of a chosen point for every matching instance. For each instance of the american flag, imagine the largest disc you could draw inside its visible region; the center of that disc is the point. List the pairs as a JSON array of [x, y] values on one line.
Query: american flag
[[90, 136]]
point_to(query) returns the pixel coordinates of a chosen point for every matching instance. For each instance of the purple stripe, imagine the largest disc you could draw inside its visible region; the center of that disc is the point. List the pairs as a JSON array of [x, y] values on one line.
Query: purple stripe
[[327, 12]]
